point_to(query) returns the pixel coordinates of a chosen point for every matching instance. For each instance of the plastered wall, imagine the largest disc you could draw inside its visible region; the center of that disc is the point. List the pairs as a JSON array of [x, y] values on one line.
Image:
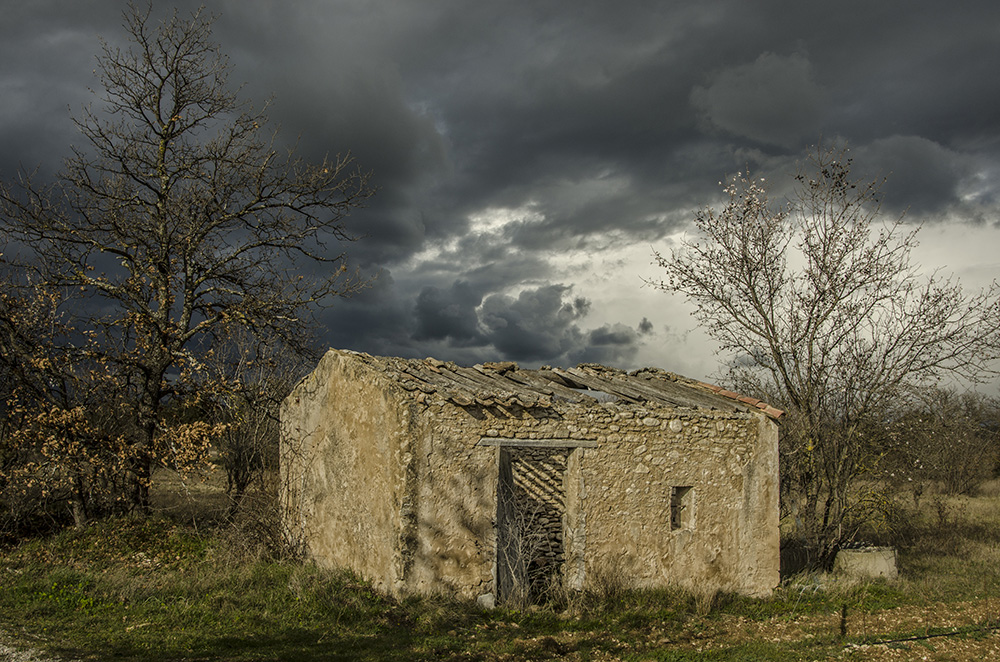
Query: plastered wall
[[347, 444]]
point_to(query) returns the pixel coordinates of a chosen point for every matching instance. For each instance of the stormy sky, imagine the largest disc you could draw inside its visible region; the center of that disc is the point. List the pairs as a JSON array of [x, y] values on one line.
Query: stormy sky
[[532, 154]]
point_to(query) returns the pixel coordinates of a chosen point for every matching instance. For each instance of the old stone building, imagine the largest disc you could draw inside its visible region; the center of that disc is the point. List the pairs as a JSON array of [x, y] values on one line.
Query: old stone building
[[493, 480]]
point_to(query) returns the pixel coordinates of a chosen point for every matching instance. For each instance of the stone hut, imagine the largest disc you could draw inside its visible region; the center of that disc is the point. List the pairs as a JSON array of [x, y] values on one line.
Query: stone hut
[[499, 482]]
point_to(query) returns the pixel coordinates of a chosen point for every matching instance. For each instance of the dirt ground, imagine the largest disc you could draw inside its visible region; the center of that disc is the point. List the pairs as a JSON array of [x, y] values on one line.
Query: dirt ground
[[975, 646], [918, 620]]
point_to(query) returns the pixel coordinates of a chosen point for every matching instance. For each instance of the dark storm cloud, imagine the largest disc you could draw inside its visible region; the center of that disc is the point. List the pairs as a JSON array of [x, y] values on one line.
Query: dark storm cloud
[[922, 177], [450, 314], [594, 126], [611, 344], [47, 54], [536, 325], [772, 100], [539, 325], [375, 320]]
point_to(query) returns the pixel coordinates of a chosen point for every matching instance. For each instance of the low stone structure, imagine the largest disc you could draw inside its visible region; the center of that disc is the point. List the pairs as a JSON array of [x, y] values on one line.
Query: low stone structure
[[867, 563], [424, 476]]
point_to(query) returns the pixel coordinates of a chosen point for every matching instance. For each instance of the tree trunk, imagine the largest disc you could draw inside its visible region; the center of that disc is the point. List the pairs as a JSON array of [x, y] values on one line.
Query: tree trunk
[[142, 470], [78, 503]]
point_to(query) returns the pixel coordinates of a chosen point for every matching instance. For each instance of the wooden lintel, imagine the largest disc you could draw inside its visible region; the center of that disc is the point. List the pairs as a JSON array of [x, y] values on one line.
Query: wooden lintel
[[538, 443]]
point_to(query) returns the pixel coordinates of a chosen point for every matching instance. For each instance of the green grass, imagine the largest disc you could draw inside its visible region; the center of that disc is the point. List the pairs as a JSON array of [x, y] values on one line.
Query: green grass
[[166, 593], [155, 589]]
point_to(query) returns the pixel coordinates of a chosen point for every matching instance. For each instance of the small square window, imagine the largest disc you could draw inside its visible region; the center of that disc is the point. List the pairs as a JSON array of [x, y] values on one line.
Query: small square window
[[681, 507]]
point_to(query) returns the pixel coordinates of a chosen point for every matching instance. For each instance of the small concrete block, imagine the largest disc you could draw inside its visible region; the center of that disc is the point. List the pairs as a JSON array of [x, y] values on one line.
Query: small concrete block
[[867, 562]]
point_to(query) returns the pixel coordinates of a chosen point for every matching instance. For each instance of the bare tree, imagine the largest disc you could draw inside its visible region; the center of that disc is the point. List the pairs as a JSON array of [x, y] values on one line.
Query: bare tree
[[258, 374], [820, 310], [180, 217]]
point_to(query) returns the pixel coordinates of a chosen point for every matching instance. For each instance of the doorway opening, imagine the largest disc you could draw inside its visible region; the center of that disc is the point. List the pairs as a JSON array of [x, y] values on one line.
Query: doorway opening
[[531, 511]]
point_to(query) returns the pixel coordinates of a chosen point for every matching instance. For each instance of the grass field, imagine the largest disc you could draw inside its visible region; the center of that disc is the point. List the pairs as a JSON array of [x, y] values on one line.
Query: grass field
[[173, 587]]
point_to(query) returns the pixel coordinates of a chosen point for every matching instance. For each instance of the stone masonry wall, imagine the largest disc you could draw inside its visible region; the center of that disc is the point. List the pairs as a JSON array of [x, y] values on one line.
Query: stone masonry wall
[[532, 532], [539, 475], [399, 488], [617, 515], [628, 480], [451, 542]]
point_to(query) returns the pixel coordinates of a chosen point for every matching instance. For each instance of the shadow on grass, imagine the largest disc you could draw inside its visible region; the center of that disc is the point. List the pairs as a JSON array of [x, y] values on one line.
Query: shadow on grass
[[302, 645], [390, 642]]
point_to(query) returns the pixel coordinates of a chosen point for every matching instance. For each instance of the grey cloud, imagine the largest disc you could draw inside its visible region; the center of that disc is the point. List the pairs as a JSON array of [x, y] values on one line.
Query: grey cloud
[[47, 52], [617, 334], [449, 314], [772, 100], [919, 71], [376, 320], [488, 262], [537, 325], [610, 344], [922, 176]]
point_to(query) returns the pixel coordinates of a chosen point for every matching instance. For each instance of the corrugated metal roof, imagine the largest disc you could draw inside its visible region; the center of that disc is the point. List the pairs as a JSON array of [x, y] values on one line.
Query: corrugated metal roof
[[504, 383]]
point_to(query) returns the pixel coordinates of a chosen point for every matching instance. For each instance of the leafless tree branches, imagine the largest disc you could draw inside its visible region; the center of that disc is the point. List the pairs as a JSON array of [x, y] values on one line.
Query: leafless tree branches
[[818, 305], [179, 217]]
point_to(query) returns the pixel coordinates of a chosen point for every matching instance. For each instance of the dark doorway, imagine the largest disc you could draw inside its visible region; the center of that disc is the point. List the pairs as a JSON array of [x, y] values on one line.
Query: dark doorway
[[531, 505]]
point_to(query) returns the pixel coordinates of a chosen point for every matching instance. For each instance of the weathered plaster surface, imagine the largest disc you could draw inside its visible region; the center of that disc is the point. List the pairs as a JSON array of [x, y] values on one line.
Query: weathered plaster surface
[[345, 475]]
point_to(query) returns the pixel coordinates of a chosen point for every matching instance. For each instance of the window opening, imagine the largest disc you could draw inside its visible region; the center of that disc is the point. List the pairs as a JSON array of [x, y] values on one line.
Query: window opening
[[681, 507]]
